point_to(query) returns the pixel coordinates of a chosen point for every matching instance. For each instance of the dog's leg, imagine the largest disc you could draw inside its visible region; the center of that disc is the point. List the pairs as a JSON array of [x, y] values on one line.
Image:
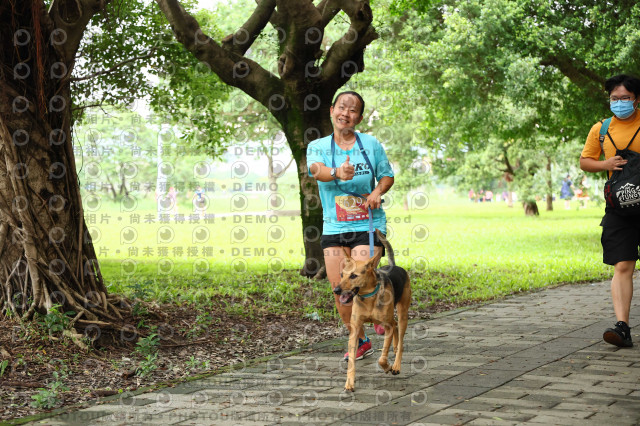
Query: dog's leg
[[395, 338], [383, 361], [403, 319], [353, 347]]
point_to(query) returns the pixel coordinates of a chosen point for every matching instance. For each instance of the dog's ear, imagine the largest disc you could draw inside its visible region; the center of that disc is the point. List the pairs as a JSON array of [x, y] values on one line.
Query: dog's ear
[[347, 256], [373, 261]]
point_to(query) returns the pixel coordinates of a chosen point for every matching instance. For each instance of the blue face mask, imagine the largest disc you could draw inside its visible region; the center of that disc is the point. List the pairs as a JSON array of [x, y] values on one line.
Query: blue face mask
[[622, 109]]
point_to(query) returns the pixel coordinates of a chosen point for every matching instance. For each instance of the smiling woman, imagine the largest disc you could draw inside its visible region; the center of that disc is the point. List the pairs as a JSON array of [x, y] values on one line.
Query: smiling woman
[[351, 202]]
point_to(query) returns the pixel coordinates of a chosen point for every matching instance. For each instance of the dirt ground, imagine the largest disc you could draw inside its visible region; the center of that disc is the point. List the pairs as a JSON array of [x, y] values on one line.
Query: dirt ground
[[189, 341]]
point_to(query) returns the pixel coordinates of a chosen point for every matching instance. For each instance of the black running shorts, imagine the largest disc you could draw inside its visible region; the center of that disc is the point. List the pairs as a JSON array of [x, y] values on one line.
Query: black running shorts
[[620, 238], [350, 239]]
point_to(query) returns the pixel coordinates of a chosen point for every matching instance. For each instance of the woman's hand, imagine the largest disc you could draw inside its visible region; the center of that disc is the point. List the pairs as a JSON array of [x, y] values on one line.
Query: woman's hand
[[614, 163], [374, 200], [346, 171]]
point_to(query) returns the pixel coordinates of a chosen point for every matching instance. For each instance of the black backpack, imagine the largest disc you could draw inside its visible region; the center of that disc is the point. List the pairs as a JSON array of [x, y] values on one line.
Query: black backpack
[[622, 190]]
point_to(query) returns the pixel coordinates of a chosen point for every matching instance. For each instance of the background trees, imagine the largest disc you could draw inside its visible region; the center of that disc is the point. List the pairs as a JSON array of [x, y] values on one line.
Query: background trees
[[508, 84], [297, 87]]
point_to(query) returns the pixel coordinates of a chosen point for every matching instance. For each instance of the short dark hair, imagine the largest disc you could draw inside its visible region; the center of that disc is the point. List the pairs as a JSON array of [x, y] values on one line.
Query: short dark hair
[[631, 83], [350, 92]]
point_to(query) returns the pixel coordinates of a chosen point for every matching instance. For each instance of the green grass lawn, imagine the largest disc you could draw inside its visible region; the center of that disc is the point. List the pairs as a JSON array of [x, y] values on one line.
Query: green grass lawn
[[455, 252]]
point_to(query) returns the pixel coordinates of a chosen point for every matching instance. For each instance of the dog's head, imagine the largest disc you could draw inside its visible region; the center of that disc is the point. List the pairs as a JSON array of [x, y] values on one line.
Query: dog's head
[[356, 277]]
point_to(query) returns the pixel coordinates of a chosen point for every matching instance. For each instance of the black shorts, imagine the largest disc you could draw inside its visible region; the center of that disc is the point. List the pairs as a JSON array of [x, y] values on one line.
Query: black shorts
[[620, 238], [350, 239]]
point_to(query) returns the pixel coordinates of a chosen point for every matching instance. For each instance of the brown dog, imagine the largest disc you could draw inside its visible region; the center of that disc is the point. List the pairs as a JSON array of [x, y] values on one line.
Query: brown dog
[[376, 292]]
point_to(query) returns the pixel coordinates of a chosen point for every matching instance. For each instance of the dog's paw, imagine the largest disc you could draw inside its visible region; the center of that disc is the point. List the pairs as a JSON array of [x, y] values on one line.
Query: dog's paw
[[384, 365], [349, 387], [395, 372]]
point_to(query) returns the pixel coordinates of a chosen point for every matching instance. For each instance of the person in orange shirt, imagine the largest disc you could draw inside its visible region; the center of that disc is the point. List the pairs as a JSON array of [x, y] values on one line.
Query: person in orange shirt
[[620, 234]]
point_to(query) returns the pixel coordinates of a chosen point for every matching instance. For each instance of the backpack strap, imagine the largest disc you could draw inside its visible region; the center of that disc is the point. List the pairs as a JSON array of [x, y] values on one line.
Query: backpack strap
[[603, 131]]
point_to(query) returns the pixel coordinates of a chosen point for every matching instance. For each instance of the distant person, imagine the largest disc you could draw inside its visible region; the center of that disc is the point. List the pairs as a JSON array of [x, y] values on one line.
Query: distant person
[[472, 195], [199, 202], [584, 192], [488, 196], [620, 234], [481, 195], [566, 192], [505, 196]]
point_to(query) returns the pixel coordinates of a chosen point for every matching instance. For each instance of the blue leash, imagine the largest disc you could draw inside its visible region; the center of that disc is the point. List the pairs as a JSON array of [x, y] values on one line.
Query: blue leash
[[373, 181]]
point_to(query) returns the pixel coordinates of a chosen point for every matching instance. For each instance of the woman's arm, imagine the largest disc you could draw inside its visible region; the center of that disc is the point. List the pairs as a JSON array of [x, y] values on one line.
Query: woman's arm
[[323, 173], [374, 200]]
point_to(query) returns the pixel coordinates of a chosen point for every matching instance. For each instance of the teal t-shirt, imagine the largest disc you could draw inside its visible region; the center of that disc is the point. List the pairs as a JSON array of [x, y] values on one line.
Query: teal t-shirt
[[319, 151]]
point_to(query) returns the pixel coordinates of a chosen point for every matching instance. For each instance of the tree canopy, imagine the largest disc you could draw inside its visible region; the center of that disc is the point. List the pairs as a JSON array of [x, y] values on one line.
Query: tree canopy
[[503, 83]]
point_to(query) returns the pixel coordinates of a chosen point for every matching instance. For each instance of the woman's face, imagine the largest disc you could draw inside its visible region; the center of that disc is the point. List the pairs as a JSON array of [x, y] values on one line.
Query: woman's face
[[346, 113]]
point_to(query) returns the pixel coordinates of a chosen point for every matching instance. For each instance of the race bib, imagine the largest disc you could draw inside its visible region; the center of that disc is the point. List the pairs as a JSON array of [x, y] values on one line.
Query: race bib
[[350, 207]]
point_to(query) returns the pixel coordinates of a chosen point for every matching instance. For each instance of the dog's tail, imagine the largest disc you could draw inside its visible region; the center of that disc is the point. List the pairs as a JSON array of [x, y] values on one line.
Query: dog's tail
[[389, 251]]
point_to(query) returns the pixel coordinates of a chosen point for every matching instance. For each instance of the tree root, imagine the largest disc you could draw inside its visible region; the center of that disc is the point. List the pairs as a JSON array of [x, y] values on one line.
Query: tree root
[[76, 338], [321, 274]]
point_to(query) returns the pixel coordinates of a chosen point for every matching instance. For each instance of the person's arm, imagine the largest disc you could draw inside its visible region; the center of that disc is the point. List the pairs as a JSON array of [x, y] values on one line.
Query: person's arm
[[591, 165], [374, 200], [383, 170], [593, 150], [323, 173]]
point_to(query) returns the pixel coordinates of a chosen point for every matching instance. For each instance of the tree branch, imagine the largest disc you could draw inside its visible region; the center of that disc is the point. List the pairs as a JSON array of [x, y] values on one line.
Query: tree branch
[[328, 9], [115, 67], [303, 36], [577, 73], [72, 17], [233, 69], [243, 38], [509, 168], [345, 57], [279, 175]]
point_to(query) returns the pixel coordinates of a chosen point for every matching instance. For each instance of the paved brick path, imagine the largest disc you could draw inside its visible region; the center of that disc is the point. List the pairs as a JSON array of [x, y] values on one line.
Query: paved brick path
[[537, 358]]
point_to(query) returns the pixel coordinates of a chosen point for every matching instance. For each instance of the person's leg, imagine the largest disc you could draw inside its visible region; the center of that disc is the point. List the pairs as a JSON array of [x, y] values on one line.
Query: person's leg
[[361, 253], [622, 289], [621, 293], [620, 240], [334, 262]]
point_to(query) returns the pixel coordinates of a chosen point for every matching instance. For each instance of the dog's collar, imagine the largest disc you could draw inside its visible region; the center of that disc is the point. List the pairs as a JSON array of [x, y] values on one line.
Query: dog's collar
[[373, 293]]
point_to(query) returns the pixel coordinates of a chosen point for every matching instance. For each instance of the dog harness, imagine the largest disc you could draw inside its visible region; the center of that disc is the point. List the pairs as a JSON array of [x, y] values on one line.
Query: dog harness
[[373, 181]]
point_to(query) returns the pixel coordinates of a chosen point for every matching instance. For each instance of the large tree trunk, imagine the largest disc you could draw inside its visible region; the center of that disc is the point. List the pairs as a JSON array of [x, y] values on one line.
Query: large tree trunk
[[47, 256], [530, 208]]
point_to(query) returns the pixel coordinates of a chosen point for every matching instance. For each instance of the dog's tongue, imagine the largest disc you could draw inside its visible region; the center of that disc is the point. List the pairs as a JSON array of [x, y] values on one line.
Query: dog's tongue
[[344, 297]]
